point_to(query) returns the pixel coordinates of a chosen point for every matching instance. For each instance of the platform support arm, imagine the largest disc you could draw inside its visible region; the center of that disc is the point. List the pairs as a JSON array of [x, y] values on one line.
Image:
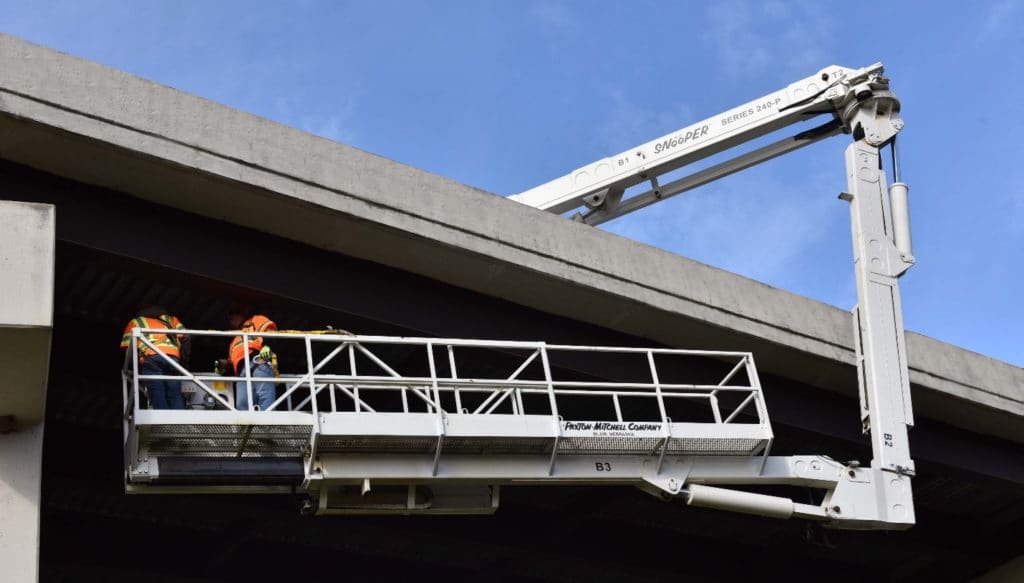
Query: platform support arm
[[886, 411]]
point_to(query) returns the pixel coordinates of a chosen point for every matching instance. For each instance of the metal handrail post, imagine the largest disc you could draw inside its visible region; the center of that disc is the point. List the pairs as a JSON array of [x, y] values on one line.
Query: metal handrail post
[[657, 387], [661, 408], [352, 372], [547, 378], [433, 380], [554, 407], [248, 369], [437, 406], [127, 423], [126, 418], [135, 370], [755, 383], [124, 394], [314, 435], [312, 382], [454, 375], [762, 409]]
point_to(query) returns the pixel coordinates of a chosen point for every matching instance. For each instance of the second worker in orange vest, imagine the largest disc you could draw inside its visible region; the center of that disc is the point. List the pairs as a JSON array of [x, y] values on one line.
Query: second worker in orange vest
[[264, 393]]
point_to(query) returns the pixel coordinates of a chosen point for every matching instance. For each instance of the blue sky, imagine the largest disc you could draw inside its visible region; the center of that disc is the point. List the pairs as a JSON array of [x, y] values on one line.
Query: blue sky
[[508, 95]]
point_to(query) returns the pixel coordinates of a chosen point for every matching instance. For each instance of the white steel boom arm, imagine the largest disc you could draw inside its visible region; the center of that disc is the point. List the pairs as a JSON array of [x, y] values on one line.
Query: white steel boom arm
[[859, 103], [599, 185]]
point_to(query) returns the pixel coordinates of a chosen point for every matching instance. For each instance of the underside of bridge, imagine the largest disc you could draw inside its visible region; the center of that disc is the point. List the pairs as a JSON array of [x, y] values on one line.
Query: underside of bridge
[[968, 493]]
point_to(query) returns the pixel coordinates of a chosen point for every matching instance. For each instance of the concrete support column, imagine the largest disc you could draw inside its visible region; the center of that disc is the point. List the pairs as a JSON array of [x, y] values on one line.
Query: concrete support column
[[21, 468], [26, 322]]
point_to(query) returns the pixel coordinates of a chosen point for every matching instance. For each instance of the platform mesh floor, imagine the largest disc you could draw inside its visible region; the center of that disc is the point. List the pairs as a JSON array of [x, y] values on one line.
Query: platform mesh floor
[[213, 440]]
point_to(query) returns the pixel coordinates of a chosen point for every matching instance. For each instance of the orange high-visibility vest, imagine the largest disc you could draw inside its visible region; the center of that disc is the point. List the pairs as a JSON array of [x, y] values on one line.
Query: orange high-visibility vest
[[169, 344], [257, 323]]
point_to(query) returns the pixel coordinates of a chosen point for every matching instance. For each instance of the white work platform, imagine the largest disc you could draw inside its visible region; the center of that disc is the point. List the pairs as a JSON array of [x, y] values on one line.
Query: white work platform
[[450, 407]]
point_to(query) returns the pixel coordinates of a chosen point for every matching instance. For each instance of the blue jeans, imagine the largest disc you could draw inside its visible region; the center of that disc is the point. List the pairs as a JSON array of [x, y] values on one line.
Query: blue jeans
[[264, 393], [163, 394]]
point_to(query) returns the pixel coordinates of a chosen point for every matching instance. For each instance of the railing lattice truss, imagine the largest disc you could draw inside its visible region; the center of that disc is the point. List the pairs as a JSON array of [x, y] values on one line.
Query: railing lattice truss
[[447, 392]]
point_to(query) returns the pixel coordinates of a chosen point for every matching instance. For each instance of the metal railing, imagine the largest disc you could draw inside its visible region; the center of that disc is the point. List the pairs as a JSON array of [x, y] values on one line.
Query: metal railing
[[340, 366]]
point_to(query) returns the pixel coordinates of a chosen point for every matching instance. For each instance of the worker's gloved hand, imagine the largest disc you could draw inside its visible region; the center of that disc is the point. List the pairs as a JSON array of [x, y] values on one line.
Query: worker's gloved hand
[[266, 353]]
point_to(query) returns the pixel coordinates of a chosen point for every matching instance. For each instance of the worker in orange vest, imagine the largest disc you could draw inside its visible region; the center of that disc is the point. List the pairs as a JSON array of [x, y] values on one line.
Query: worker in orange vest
[[163, 394], [260, 358]]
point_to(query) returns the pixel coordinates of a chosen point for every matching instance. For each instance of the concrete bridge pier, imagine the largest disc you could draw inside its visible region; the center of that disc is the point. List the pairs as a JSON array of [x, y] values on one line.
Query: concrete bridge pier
[[26, 321]]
